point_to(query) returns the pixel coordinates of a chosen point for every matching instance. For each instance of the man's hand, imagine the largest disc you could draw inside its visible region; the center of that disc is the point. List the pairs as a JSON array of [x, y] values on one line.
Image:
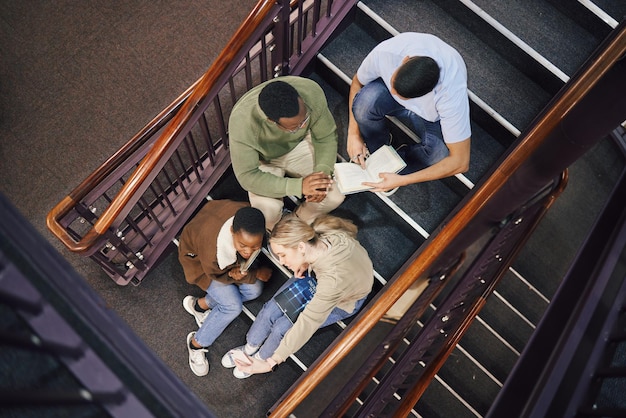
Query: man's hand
[[390, 181], [315, 186], [456, 162], [263, 273], [357, 150]]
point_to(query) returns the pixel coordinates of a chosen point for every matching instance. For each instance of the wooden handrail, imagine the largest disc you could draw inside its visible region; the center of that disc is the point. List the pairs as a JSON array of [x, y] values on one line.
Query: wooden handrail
[[413, 395], [105, 169], [187, 102], [577, 88]]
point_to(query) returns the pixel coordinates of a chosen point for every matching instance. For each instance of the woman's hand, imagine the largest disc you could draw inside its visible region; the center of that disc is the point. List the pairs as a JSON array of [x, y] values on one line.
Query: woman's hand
[[236, 274], [299, 273], [253, 365]]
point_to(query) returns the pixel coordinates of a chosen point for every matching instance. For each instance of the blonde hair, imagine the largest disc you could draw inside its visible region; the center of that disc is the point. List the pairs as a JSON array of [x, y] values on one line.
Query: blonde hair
[[291, 230]]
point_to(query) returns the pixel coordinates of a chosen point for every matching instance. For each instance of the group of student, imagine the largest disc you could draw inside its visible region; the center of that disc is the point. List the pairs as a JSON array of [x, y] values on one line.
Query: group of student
[[283, 142]]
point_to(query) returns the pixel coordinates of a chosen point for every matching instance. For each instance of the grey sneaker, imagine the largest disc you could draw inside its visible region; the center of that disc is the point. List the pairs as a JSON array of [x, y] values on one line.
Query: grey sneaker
[[188, 303], [197, 358], [227, 359]]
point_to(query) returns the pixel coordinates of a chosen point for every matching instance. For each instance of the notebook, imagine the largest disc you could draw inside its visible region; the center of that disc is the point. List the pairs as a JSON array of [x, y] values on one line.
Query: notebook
[[295, 297]]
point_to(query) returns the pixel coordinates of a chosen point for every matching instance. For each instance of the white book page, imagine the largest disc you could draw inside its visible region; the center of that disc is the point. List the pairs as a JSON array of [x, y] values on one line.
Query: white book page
[[384, 160], [350, 176]]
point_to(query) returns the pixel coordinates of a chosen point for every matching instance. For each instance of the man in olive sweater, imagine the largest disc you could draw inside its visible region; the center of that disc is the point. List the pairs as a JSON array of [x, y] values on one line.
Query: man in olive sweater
[[283, 142]]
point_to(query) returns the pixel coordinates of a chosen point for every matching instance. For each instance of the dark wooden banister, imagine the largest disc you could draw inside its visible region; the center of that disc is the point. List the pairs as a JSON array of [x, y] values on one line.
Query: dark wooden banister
[[104, 170], [411, 397], [441, 242], [186, 103]]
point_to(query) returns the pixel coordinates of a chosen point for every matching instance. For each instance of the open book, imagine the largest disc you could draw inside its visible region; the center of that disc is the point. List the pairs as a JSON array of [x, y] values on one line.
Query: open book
[[245, 264], [349, 176]]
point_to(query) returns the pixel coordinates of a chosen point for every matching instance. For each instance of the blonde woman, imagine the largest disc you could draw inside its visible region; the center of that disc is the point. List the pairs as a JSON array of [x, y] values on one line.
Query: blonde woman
[[327, 250]]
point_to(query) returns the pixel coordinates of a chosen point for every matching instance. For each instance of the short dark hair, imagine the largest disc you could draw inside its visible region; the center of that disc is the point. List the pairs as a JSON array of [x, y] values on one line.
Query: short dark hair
[[250, 220], [279, 99], [416, 77]]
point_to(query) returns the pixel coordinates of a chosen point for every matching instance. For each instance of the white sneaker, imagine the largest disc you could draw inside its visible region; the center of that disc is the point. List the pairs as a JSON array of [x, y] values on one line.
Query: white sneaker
[[243, 375], [239, 374], [197, 358], [228, 360], [189, 303]]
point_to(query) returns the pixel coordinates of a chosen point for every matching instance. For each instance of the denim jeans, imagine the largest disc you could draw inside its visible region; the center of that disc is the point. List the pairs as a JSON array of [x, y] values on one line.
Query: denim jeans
[[226, 303], [271, 324], [370, 106]]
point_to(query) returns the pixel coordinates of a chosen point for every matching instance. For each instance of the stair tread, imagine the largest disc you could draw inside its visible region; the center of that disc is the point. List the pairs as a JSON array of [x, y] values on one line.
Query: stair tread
[[379, 226], [547, 31], [458, 370], [615, 8], [438, 402], [522, 297], [544, 260]]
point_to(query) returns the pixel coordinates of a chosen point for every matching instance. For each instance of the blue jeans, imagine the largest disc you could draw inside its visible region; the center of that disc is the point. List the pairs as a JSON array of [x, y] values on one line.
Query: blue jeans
[[271, 325], [226, 303], [370, 106]]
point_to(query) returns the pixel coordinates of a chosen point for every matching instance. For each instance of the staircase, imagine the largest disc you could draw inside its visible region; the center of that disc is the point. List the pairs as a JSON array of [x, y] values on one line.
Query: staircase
[[518, 56]]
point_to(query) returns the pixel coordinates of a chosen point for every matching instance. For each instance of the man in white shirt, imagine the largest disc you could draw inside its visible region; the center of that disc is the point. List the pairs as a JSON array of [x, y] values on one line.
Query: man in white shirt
[[422, 81]]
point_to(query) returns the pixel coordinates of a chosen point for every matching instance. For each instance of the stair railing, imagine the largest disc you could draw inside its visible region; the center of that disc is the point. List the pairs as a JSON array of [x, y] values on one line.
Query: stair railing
[[557, 374], [126, 214], [64, 351], [504, 209]]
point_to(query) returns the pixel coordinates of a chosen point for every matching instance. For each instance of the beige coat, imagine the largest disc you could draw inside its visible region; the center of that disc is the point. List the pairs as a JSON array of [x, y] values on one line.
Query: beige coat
[[344, 275]]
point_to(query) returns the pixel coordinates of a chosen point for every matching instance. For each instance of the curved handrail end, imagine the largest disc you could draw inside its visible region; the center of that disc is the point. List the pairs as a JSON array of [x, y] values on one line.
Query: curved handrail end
[[53, 223]]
